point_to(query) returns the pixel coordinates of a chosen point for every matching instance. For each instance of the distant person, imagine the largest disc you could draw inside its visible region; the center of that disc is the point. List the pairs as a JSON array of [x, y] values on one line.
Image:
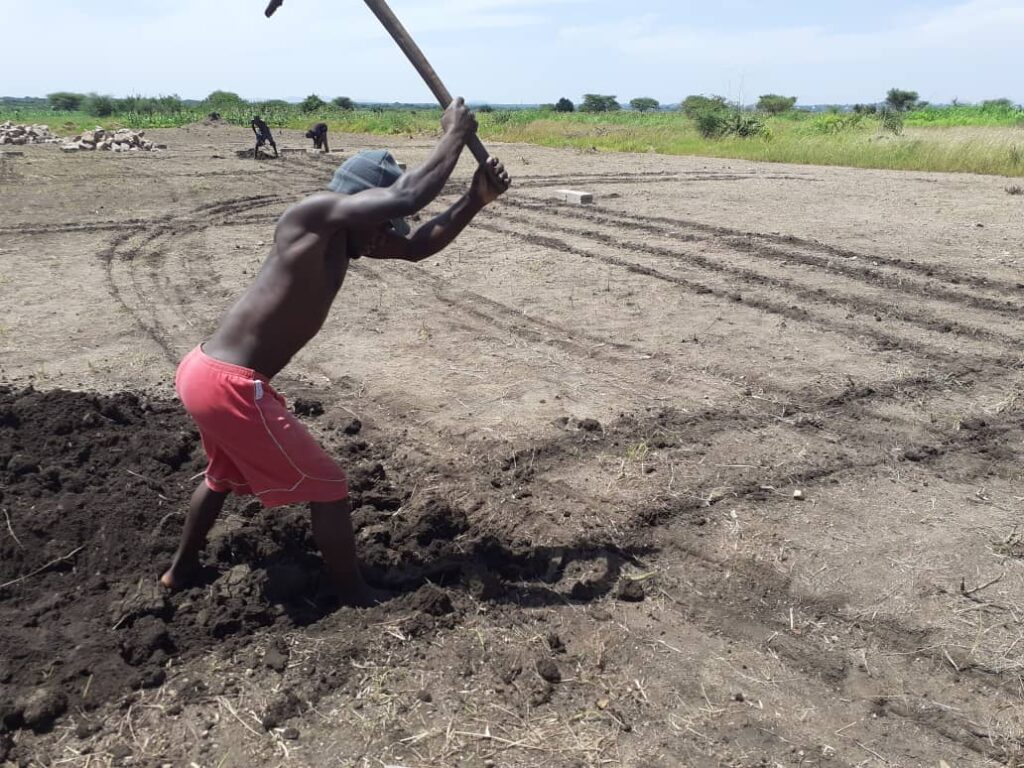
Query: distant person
[[263, 136], [254, 444], [318, 133]]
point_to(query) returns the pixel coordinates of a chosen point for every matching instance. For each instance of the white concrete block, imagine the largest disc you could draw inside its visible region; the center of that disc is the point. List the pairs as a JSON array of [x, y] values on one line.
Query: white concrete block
[[574, 196]]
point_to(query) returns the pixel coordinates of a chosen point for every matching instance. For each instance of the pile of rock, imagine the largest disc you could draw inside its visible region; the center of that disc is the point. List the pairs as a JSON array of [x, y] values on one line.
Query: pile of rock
[[121, 140], [18, 135]]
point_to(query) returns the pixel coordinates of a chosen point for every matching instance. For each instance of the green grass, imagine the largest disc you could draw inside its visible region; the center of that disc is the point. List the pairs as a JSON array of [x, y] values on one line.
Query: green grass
[[954, 139], [991, 150], [967, 116]]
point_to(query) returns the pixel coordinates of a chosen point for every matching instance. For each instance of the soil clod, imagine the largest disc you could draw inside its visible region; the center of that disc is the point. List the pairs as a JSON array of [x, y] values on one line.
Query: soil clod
[[548, 670], [630, 591], [276, 658], [308, 407], [41, 708]]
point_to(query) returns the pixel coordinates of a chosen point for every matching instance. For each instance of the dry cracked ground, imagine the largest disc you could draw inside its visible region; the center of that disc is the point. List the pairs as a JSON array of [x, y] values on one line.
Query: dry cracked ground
[[723, 470]]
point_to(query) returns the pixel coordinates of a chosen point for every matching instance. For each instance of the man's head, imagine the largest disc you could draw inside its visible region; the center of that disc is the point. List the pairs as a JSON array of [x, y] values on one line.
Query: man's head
[[369, 169]]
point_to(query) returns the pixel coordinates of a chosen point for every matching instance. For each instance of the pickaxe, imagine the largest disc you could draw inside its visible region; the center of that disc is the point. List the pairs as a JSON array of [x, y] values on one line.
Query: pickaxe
[[415, 55]]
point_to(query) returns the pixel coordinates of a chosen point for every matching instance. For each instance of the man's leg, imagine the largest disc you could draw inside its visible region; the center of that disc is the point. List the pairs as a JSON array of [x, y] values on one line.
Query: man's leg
[[332, 531], [326, 148], [203, 510], [256, 152], [274, 145]]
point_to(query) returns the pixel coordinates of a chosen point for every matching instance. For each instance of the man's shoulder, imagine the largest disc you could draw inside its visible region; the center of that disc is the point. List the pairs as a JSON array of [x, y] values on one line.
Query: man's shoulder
[[311, 212]]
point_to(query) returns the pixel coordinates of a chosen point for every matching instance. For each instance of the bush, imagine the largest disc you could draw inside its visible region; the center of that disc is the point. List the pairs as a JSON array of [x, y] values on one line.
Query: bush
[[773, 104], [832, 123], [900, 101], [312, 103], [595, 102], [865, 109], [485, 109], [343, 102], [564, 105], [692, 106], [63, 101], [98, 106], [717, 123], [997, 105], [170, 104], [644, 103], [892, 120], [224, 101]]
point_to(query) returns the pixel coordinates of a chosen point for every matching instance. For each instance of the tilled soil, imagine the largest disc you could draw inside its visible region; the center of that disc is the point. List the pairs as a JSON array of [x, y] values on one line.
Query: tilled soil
[[90, 479], [722, 470]]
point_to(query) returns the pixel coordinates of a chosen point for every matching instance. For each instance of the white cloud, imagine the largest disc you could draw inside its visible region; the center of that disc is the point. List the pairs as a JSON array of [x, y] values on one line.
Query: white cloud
[[973, 25]]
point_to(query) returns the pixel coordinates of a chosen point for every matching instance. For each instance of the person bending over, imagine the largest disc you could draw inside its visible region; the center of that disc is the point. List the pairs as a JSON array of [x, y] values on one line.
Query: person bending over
[[318, 133], [253, 442]]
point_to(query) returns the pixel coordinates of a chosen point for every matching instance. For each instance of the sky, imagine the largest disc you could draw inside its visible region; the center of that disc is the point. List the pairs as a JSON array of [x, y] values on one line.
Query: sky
[[520, 51]]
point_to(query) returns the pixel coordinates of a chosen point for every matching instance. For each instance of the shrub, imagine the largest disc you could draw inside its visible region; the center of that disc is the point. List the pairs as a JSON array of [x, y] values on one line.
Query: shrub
[[997, 105], [170, 104], [644, 103], [98, 106], [224, 101], [564, 105], [485, 109], [312, 103], [832, 123], [773, 104], [865, 109], [65, 101], [900, 101], [692, 106], [716, 123], [595, 102], [892, 120], [343, 102]]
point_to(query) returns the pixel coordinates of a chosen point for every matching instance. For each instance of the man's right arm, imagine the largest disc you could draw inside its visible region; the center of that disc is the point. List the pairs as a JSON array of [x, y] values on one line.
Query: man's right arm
[[411, 193]]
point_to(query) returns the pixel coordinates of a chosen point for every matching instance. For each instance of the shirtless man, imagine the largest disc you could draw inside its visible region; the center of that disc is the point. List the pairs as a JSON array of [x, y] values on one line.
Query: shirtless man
[[263, 136], [318, 133], [254, 444]]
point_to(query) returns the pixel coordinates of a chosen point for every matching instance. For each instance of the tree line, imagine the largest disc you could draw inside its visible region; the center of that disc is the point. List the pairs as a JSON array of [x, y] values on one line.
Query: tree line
[[897, 102], [99, 105]]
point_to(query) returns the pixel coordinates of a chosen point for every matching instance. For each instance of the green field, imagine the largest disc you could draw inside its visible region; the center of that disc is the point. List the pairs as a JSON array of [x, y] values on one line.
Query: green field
[[966, 139]]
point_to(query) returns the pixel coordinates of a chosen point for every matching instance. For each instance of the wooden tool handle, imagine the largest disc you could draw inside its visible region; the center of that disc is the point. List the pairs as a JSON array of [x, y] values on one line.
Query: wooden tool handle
[[419, 61]]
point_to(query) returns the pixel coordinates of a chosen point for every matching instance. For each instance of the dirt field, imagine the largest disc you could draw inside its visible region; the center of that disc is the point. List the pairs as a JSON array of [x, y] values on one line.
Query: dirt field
[[723, 470]]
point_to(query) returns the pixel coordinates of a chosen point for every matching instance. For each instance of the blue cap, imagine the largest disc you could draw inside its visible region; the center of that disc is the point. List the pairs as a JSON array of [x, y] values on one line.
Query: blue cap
[[367, 170]]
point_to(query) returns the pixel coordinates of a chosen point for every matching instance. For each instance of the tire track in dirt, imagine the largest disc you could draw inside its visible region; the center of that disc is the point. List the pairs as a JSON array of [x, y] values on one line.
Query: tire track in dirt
[[148, 245], [815, 255], [859, 303], [551, 180], [857, 447], [108, 257], [881, 340], [750, 602], [75, 227], [671, 227]]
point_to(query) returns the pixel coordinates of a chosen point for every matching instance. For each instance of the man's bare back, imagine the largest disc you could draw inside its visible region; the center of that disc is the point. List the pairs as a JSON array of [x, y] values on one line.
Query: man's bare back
[[316, 238]]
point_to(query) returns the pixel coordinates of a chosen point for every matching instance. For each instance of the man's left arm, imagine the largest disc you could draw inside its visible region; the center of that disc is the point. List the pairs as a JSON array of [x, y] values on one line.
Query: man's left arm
[[434, 236]]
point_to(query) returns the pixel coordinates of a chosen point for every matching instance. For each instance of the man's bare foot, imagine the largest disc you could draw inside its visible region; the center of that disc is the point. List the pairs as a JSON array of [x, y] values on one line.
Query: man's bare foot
[[179, 576]]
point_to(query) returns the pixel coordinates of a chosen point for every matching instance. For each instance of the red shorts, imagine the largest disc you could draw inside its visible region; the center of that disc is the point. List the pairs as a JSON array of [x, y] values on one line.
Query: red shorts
[[255, 445]]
